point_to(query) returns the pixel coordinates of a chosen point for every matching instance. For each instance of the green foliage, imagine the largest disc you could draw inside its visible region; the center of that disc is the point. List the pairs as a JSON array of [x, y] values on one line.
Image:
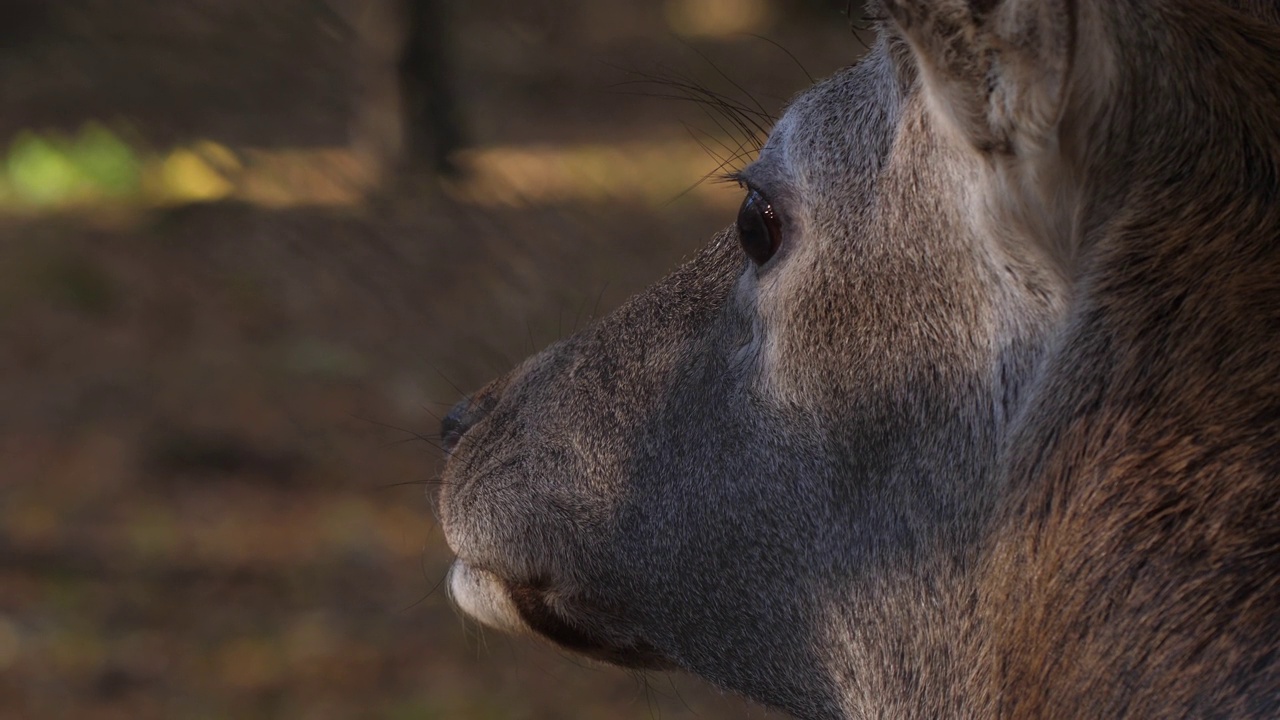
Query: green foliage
[[40, 171], [110, 165], [49, 170]]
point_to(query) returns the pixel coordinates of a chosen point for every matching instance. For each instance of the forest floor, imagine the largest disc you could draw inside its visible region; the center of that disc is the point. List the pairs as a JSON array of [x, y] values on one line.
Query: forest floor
[[212, 485]]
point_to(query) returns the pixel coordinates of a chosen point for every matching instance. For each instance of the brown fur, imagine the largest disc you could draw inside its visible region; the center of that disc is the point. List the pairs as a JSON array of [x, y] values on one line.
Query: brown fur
[[1137, 571]]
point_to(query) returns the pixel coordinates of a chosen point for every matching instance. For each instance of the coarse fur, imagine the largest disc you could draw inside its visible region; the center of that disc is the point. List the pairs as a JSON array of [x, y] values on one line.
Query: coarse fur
[[993, 434]]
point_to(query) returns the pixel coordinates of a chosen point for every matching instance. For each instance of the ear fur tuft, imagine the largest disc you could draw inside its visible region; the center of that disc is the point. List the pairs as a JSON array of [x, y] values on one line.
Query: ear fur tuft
[[995, 70]]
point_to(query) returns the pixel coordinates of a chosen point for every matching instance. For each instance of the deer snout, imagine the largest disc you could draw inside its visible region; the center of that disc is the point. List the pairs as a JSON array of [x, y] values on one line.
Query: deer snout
[[469, 411]]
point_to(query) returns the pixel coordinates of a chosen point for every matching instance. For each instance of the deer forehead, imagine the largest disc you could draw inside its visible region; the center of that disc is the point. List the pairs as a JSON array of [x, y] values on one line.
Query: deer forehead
[[833, 137]]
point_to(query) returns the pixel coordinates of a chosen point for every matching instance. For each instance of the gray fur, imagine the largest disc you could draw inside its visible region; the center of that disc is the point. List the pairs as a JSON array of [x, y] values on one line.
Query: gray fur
[[992, 434]]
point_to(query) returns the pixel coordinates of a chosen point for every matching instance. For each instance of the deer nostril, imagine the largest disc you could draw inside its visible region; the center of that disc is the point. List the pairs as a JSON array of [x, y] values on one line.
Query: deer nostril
[[454, 425]]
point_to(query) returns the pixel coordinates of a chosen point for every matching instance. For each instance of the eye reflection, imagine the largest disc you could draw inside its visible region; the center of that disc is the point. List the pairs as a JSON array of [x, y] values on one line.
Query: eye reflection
[[759, 228]]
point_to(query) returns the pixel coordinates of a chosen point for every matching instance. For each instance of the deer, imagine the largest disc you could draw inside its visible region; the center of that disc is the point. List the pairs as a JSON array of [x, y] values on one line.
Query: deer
[[973, 411]]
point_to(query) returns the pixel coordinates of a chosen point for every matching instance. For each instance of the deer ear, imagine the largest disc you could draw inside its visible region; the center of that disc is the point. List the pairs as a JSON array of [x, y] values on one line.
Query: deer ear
[[995, 70]]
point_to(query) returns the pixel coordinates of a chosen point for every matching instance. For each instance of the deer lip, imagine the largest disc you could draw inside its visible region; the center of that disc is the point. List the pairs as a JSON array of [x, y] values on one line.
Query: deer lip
[[537, 608], [483, 596]]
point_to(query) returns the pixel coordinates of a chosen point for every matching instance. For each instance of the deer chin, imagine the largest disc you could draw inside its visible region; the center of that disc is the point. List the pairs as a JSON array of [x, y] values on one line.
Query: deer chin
[[537, 608]]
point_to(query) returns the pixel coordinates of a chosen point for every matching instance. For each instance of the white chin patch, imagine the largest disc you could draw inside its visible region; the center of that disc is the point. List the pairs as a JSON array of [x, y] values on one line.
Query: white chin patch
[[481, 595]]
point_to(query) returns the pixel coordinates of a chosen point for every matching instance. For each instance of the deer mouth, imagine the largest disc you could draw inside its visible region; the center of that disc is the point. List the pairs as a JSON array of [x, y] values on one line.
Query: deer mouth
[[536, 607]]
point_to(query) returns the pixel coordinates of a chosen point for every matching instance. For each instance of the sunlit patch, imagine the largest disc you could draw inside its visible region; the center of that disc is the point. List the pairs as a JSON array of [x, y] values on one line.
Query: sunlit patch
[[652, 173], [717, 18], [186, 176], [48, 173]]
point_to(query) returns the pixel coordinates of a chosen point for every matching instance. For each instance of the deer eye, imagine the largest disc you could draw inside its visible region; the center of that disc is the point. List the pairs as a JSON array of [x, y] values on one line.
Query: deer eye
[[759, 228]]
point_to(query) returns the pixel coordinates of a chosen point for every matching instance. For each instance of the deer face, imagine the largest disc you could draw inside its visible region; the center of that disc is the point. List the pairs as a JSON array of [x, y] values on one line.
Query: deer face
[[753, 469]]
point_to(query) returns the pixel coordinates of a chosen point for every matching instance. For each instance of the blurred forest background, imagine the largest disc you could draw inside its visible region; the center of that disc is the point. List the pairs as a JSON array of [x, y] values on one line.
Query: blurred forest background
[[250, 251]]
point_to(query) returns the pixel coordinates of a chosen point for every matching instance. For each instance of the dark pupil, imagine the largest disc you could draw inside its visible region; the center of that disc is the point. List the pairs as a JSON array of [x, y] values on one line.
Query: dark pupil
[[758, 229]]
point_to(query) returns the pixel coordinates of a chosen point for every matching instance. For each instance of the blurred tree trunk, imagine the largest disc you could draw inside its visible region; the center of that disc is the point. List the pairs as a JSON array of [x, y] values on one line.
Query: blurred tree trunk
[[406, 115], [432, 131]]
